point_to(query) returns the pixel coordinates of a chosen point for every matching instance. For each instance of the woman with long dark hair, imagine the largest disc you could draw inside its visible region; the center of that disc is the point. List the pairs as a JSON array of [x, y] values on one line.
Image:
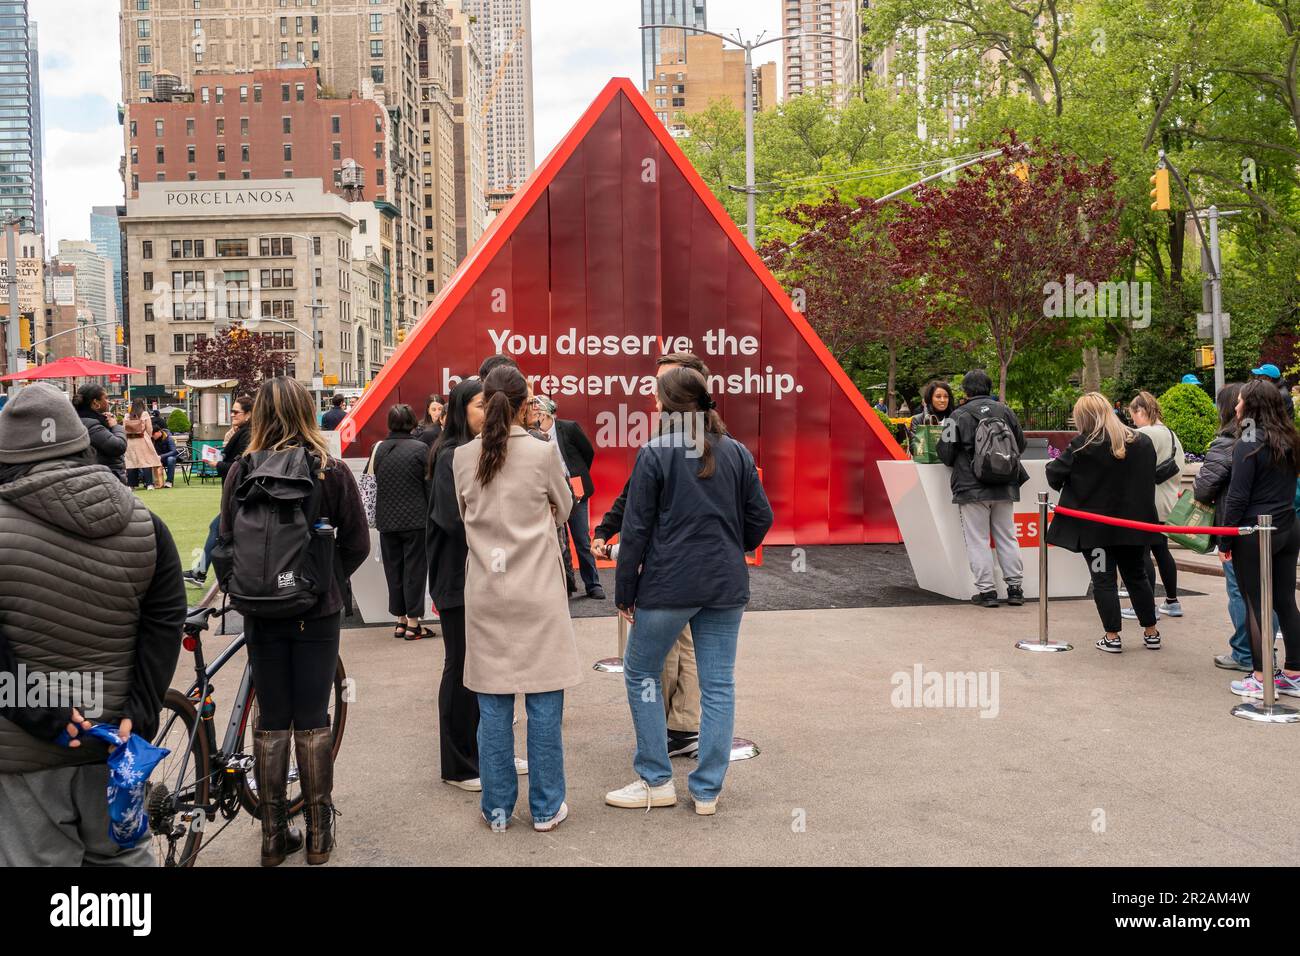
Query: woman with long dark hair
[[512, 495], [447, 551], [294, 660], [106, 435], [430, 426], [695, 505], [936, 404], [1265, 462]]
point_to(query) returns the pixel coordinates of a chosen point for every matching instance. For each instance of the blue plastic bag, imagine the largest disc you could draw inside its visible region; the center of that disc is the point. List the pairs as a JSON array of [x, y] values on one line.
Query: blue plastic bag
[[129, 767]]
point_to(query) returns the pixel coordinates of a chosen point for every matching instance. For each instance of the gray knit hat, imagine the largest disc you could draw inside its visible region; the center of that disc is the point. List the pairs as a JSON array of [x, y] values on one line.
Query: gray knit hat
[[38, 424]]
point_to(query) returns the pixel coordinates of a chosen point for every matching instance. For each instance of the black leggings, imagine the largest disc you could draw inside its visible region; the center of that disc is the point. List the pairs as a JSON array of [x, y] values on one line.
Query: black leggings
[[1245, 559], [294, 663], [1168, 569]]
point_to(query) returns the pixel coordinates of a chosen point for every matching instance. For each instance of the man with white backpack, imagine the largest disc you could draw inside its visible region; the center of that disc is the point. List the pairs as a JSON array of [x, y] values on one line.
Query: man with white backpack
[[981, 442]]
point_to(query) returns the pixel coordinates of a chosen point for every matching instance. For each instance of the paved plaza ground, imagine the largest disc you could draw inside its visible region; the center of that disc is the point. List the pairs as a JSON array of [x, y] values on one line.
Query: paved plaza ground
[[1090, 758]]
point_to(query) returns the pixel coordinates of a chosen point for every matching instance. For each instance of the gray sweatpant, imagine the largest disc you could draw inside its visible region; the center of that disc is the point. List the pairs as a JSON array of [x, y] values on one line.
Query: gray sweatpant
[[978, 520], [59, 817]]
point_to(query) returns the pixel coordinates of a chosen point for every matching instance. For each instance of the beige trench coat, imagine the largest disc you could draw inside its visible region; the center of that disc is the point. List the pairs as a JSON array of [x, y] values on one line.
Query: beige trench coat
[[518, 634]]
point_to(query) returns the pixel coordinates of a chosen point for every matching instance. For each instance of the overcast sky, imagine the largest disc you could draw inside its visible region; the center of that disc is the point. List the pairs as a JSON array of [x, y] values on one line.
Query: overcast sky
[[577, 46]]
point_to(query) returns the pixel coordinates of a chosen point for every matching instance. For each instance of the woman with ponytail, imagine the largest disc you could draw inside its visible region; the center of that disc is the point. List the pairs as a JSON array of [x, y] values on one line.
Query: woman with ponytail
[[512, 495], [694, 507]]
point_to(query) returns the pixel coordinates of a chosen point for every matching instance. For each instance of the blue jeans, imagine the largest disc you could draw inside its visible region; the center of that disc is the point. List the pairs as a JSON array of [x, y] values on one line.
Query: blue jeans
[[205, 559], [496, 755], [579, 530], [169, 462], [1240, 640], [715, 631]]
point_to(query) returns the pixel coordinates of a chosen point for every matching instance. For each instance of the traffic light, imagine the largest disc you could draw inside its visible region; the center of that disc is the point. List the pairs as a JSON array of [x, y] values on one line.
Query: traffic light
[[119, 336], [24, 333], [1160, 189], [1204, 357], [401, 335]]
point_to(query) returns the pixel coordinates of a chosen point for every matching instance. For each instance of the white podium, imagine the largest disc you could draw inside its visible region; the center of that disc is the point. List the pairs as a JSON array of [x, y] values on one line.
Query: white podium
[[921, 497]]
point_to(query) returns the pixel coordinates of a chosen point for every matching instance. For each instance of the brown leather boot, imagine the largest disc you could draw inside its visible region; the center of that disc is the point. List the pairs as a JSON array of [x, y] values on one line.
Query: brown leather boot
[[271, 756], [316, 773]]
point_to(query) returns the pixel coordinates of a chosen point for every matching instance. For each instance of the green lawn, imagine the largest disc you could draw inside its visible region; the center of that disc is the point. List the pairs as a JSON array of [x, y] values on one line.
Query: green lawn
[[187, 511]]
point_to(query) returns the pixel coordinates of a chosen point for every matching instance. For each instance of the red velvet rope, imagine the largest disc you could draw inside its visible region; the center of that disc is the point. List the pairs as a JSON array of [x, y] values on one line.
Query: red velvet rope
[[1147, 526]]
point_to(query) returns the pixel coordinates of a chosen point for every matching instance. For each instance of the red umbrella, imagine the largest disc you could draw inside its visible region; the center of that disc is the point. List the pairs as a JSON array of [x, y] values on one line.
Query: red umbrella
[[71, 367]]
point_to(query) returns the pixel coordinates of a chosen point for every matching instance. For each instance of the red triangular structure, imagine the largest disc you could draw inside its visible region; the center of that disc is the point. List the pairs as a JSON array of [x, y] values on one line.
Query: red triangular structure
[[616, 236]]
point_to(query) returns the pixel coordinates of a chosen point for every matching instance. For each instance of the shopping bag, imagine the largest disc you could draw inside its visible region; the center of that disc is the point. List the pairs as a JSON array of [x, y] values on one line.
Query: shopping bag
[[1188, 512], [925, 444]]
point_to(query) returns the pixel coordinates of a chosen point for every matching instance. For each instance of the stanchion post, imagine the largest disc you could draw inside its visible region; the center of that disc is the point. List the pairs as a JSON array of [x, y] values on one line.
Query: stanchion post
[[1042, 645], [614, 665], [1269, 710]]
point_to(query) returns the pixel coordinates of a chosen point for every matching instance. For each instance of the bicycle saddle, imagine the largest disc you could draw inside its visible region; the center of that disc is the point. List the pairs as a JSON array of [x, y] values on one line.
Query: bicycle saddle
[[197, 617]]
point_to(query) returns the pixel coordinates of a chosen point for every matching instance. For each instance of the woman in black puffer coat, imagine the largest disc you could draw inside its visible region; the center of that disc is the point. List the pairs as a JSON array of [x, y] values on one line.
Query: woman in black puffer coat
[[401, 505]]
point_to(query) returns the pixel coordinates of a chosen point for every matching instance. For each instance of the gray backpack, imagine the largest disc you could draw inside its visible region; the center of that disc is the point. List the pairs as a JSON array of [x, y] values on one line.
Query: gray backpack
[[997, 455], [279, 559]]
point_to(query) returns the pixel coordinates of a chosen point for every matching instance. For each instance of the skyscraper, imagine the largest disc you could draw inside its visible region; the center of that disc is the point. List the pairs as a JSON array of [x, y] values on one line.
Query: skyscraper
[[821, 62], [690, 13], [505, 29], [21, 192], [106, 234]]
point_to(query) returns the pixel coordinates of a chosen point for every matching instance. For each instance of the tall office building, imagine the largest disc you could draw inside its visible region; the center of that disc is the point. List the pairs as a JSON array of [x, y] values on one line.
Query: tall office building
[[106, 235], [94, 284], [438, 142], [21, 192], [660, 46], [364, 46], [505, 28], [705, 71], [821, 62], [469, 130]]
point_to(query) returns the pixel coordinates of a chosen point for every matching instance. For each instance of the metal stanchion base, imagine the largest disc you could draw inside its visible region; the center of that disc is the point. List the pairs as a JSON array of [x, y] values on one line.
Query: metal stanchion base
[[1277, 714], [742, 749], [609, 665], [1046, 648]]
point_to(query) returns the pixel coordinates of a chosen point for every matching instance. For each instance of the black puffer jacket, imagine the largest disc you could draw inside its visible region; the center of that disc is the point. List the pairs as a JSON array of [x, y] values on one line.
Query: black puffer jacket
[[1212, 480], [959, 453], [401, 494], [444, 538], [109, 443]]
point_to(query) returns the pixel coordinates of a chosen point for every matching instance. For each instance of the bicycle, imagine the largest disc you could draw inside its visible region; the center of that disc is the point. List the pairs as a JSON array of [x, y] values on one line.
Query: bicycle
[[200, 779]]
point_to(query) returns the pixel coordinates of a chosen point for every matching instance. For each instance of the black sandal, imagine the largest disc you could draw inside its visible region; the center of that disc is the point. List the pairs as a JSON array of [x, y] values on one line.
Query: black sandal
[[419, 634], [400, 631]]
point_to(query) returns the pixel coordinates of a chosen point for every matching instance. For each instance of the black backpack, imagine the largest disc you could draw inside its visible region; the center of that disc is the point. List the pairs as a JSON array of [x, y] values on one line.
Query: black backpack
[[997, 455], [276, 563]]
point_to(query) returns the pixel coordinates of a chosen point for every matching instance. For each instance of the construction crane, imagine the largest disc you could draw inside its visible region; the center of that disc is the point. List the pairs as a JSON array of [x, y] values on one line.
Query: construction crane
[[506, 57]]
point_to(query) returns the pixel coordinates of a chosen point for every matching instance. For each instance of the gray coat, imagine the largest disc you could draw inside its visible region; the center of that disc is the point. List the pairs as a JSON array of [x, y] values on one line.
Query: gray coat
[[518, 635]]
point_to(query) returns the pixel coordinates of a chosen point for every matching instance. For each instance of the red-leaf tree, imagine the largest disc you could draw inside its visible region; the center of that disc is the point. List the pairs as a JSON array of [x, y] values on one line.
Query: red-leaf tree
[[990, 246], [845, 273], [236, 354]]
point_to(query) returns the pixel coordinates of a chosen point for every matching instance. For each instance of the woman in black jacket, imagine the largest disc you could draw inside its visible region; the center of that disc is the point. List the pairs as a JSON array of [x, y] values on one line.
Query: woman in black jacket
[[1108, 469], [107, 437], [448, 551], [430, 426], [1265, 461], [401, 507], [294, 660], [695, 505], [936, 404]]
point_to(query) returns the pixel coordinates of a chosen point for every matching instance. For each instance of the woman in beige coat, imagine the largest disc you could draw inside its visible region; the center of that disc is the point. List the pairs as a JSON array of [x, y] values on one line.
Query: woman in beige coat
[[142, 462], [512, 495]]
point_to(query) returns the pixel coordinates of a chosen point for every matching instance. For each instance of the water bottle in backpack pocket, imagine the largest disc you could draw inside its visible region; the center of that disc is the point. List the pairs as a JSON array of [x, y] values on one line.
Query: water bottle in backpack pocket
[[279, 559]]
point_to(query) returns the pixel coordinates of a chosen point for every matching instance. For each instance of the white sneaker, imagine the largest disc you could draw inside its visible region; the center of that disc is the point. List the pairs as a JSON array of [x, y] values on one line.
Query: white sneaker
[[521, 766], [472, 786], [1170, 609], [1129, 614], [706, 808], [640, 795], [1123, 593], [167, 484], [555, 821]]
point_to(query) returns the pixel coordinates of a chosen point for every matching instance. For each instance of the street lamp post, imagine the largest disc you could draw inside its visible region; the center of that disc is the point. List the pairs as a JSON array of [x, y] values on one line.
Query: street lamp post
[[749, 46], [12, 225]]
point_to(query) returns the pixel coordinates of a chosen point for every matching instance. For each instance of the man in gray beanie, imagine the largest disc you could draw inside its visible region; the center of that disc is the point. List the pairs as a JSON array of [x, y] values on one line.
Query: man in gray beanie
[[91, 608]]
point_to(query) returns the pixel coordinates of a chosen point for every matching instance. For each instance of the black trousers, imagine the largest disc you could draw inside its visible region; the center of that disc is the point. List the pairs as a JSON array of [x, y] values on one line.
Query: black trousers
[[1245, 559], [1127, 559], [1158, 555], [294, 663], [407, 571], [457, 707]]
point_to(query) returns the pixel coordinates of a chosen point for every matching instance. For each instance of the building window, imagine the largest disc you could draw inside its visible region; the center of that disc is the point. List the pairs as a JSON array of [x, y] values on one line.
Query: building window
[[143, 29], [146, 249], [246, 175], [150, 375], [189, 127], [376, 49], [221, 154], [158, 128], [299, 92], [243, 126], [288, 153], [146, 80], [221, 126], [160, 157], [243, 94], [135, 156], [376, 23], [245, 153], [284, 92], [257, 92], [147, 280], [232, 247], [286, 124], [336, 124], [189, 154], [148, 312], [315, 49], [135, 129], [144, 54], [142, 4], [337, 150], [379, 150], [377, 74], [205, 95], [149, 343]]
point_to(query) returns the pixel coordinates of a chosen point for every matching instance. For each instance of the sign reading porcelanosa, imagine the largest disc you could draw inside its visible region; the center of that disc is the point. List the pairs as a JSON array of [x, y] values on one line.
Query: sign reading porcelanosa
[[613, 254], [256, 197]]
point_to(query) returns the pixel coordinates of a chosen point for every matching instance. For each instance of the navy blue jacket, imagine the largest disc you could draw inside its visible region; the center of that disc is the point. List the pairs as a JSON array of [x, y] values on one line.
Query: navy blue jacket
[[684, 538]]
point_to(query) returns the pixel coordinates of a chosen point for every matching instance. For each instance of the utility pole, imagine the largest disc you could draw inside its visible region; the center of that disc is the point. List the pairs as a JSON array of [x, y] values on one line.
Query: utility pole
[[749, 46], [11, 326], [1216, 297]]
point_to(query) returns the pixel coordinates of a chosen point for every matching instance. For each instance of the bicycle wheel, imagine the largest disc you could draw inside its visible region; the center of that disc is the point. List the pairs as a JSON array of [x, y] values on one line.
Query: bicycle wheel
[[181, 782], [338, 714]]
